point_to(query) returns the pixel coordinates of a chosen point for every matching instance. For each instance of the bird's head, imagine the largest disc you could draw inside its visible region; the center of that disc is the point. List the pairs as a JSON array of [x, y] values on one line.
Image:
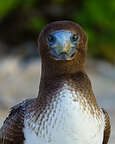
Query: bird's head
[[63, 46]]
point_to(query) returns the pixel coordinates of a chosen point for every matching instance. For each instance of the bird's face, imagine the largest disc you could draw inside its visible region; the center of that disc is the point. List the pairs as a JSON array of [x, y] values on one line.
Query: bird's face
[[62, 44]]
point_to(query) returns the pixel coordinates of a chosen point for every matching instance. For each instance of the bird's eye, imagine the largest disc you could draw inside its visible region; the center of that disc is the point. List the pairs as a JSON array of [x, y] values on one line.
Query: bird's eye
[[51, 38], [74, 37]]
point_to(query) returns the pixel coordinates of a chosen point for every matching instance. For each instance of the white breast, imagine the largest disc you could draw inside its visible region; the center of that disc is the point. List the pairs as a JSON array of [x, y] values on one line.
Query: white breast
[[68, 123]]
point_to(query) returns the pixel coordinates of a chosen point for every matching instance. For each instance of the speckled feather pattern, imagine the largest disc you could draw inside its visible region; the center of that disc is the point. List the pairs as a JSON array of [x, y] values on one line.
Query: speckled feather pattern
[[68, 118]]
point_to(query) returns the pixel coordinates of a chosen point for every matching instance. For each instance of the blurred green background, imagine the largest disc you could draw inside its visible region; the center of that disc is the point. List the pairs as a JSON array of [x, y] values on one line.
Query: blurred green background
[[22, 20]]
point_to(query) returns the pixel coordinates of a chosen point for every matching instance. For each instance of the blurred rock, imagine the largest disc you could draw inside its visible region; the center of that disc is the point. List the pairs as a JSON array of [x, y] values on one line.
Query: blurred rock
[[18, 80]]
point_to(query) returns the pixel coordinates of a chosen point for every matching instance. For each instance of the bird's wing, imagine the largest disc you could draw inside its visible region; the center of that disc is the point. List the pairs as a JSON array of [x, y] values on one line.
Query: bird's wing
[[11, 131], [107, 129]]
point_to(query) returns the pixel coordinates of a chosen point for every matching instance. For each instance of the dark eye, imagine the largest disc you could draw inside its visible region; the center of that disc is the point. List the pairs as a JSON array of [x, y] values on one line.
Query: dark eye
[[51, 38], [74, 37]]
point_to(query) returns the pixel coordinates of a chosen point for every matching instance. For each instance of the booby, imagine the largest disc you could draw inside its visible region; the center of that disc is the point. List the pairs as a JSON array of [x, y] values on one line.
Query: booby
[[65, 110]]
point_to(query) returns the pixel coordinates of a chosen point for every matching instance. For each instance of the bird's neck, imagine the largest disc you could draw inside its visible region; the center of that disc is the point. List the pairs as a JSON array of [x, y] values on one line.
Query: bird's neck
[[53, 69], [52, 83], [79, 83], [55, 80]]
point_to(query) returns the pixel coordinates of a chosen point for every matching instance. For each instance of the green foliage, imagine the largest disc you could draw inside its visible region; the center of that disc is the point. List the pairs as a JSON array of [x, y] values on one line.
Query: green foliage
[[6, 6], [37, 23], [97, 17]]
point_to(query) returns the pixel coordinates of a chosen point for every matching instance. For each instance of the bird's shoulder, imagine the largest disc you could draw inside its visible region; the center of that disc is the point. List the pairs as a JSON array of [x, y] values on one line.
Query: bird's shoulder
[[12, 130]]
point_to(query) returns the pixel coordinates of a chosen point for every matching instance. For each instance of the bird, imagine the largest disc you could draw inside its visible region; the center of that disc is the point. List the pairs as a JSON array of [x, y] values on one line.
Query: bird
[[65, 110]]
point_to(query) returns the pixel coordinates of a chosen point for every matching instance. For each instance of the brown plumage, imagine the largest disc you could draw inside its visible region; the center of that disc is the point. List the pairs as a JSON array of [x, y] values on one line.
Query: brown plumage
[[55, 73], [107, 130], [11, 131]]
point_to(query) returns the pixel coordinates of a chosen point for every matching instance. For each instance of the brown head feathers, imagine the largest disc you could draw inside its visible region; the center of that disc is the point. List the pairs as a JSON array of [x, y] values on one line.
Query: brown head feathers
[[53, 66]]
